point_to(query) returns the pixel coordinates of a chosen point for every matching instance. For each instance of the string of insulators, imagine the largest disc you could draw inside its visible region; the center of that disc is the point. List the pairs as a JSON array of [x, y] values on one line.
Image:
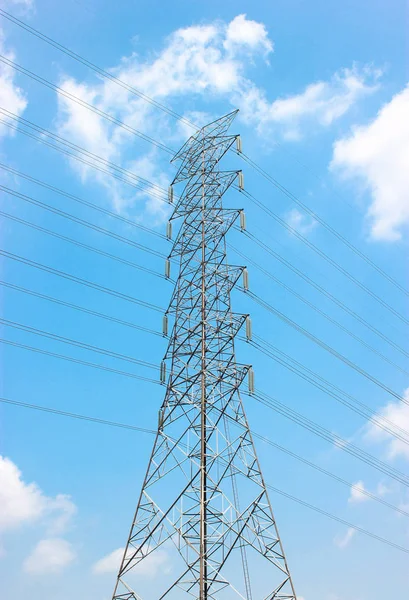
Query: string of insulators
[[170, 194], [165, 325], [241, 180], [249, 329], [167, 268], [250, 379], [238, 144], [161, 418], [242, 220], [162, 372], [169, 230], [245, 279]]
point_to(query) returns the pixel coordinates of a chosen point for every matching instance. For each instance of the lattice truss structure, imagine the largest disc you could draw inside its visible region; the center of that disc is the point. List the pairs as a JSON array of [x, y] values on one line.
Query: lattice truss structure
[[204, 522]]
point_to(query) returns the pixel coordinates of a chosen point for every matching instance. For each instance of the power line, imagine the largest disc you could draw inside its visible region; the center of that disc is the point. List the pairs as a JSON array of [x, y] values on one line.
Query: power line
[[82, 201], [81, 244], [329, 436], [325, 256], [77, 361], [41, 140], [77, 343], [142, 182], [79, 280], [84, 104], [327, 294], [171, 112], [79, 308], [325, 346], [318, 310], [322, 222], [314, 379], [83, 222], [95, 68], [351, 486], [119, 425]]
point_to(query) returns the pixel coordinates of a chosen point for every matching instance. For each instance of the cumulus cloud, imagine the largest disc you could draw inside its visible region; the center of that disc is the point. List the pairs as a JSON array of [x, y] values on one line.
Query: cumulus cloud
[[357, 493], [12, 96], [398, 414], [109, 563], [344, 540], [24, 503], [300, 222], [243, 34], [377, 156], [153, 564], [51, 555], [320, 103], [202, 61]]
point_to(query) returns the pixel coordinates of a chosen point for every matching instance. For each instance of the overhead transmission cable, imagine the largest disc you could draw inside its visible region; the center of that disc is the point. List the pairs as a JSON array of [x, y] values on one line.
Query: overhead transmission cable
[[251, 294], [79, 200], [109, 423], [322, 222], [177, 116], [154, 189], [97, 69], [262, 398], [325, 256], [319, 311], [83, 309], [81, 281], [323, 291], [85, 104], [78, 344], [324, 345], [329, 436], [83, 222], [77, 361], [322, 384]]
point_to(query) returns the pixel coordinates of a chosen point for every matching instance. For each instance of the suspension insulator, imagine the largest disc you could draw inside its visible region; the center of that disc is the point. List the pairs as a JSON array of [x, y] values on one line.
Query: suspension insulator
[[169, 230], [170, 194], [242, 220], [241, 180], [162, 372], [251, 380], [161, 418], [167, 268], [238, 144], [245, 279], [249, 329], [165, 325]]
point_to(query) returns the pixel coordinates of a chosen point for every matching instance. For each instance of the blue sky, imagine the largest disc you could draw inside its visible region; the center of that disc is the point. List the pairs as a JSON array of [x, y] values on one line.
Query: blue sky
[[324, 104]]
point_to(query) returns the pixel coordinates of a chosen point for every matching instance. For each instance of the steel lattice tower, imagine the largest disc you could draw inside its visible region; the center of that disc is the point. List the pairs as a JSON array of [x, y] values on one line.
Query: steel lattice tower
[[204, 502]]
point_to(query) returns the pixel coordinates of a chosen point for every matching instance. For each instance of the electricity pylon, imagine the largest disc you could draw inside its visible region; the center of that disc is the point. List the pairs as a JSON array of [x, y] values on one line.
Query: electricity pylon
[[204, 524]]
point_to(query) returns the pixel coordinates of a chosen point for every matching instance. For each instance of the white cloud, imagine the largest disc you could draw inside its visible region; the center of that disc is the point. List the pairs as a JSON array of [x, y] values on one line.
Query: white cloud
[[300, 222], [109, 563], [12, 97], [241, 33], [23, 5], [24, 503], [344, 540], [19, 502], [153, 564], [51, 555], [320, 103], [357, 494], [203, 61], [398, 414], [377, 155]]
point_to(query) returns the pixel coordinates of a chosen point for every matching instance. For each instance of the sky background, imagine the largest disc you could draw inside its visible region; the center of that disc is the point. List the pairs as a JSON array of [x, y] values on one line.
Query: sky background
[[323, 93]]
